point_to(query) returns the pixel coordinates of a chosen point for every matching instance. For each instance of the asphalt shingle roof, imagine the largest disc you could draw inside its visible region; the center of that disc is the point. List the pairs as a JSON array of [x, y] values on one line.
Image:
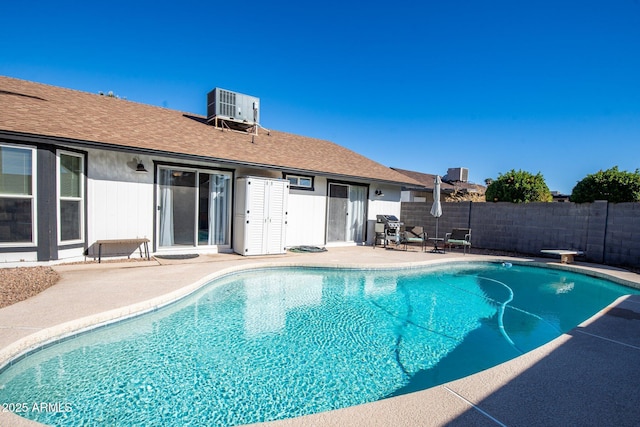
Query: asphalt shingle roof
[[54, 112]]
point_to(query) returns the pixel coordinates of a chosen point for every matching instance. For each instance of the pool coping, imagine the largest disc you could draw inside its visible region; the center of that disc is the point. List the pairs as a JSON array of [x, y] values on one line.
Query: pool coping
[[15, 351], [49, 336]]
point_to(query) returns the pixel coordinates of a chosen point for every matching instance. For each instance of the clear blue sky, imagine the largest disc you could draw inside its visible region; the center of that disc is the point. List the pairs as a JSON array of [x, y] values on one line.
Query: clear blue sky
[[547, 86]]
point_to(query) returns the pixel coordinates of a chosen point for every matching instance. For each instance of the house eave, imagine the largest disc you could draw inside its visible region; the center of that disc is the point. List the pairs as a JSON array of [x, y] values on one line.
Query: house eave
[[29, 138]]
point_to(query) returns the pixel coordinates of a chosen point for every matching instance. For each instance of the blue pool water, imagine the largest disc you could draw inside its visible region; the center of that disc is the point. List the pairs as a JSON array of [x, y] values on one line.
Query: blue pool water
[[278, 343]]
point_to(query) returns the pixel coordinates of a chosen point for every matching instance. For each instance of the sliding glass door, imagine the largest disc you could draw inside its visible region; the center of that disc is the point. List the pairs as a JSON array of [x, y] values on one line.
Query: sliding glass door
[[214, 196], [346, 213], [194, 207]]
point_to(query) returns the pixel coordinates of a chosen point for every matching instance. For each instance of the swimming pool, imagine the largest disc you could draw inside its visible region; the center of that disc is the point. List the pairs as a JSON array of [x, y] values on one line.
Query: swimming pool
[[278, 343]]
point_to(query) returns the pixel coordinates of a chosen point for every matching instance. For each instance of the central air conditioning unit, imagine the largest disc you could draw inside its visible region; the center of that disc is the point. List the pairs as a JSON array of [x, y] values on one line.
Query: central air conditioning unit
[[457, 174], [236, 110]]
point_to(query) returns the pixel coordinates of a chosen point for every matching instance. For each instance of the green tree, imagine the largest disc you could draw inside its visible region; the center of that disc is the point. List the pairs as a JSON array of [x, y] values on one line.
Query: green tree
[[518, 187], [613, 185]]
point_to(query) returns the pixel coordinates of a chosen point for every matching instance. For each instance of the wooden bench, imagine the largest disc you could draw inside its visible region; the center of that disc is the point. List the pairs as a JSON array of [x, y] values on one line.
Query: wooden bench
[[566, 256], [140, 244]]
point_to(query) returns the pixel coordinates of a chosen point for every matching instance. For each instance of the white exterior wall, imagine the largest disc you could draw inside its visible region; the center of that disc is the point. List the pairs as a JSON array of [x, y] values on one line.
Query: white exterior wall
[[308, 211], [387, 204], [119, 200], [307, 215], [120, 203], [18, 257]]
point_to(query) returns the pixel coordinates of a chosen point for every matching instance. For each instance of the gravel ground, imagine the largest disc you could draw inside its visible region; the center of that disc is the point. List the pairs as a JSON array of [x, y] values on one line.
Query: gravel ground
[[17, 284]]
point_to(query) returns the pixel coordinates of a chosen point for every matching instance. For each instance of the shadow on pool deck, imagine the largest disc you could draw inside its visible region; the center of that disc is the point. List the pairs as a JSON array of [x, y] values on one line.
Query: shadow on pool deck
[[588, 376]]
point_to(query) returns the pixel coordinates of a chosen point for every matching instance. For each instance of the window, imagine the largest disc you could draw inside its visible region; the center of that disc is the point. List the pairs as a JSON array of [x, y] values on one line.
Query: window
[[71, 196], [17, 202], [300, 182]]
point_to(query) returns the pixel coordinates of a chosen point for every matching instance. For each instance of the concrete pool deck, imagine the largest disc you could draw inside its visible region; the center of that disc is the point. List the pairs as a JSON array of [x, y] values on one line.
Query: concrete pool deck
[[588, 376]]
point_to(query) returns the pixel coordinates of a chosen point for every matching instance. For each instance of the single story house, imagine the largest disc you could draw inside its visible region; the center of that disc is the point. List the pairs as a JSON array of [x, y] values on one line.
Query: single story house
[[77, 168], [454, 187]]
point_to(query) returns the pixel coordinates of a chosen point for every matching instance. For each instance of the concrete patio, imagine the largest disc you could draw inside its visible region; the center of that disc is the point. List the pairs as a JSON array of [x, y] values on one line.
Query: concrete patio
[[588, 376]]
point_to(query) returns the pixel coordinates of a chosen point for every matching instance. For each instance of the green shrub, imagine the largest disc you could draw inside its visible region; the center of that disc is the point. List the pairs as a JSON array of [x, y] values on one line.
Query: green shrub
[[518, 187], [613, 185]]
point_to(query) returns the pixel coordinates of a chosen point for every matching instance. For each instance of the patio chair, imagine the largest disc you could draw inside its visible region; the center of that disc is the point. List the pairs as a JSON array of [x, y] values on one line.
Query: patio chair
[[459, 237], [413, 234]]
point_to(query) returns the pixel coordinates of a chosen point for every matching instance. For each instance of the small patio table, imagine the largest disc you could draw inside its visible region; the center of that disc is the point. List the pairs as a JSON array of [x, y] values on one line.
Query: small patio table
[[436, 241]]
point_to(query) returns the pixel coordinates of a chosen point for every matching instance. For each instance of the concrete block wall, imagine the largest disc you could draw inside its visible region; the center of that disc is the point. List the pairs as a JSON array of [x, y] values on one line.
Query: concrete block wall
[[607, 233], [622, 236], [597, 226], [453, 215]]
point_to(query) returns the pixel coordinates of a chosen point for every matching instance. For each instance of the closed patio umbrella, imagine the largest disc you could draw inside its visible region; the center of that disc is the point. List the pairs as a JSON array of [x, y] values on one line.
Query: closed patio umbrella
[[436, 208]]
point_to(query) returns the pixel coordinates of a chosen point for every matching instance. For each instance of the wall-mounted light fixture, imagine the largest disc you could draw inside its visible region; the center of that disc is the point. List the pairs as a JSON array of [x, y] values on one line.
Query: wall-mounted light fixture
[[140, 167], [379, 193]]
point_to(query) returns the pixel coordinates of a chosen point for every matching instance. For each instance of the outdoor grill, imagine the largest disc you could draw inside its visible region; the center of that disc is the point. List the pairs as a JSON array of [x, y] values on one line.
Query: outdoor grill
[[388, 228]]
